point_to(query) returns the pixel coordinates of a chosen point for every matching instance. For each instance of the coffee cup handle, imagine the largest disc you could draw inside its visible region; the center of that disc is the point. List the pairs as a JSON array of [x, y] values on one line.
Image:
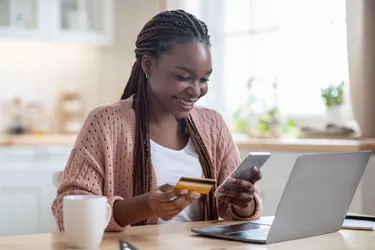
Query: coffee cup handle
[[109, 215]]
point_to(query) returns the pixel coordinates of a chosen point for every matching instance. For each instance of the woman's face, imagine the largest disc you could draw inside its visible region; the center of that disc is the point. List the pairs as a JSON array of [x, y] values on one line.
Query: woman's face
[[177, 79]]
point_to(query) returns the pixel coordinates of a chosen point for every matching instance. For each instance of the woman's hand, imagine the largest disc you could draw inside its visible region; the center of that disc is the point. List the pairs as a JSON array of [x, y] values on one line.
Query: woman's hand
[[242, 199], [165, 202]]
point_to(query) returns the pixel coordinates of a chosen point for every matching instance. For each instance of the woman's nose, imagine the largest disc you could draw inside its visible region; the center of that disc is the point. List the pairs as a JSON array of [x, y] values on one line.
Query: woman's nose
[[194, 90]]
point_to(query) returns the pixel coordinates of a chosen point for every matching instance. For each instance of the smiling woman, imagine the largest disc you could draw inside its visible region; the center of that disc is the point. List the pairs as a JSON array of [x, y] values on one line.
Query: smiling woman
[[177, 80], [135, 150]]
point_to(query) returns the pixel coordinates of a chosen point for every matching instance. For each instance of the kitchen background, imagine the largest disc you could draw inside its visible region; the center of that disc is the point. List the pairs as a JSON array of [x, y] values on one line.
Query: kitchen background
[[285, 74], [57, 62]]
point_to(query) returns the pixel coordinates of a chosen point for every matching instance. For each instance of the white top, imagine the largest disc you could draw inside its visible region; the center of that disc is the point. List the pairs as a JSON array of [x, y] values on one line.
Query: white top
[[170, 165]]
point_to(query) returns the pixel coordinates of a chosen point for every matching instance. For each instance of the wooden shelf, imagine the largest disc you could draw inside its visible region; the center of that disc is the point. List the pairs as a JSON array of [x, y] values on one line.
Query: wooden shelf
[[243, 143], [295, 144], [29, 140]]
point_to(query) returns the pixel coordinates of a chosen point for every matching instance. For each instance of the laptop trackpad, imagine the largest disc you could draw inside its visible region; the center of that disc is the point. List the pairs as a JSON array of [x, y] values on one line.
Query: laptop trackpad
[[242, 227], [248, 230]]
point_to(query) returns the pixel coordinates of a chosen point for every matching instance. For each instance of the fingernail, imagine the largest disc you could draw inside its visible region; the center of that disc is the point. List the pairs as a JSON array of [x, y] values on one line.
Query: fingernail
[[195, 195], [232, 180], [184, 191]]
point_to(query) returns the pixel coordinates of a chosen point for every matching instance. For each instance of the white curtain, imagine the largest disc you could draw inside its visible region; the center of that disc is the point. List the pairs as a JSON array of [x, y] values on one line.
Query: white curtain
[[299, 44]]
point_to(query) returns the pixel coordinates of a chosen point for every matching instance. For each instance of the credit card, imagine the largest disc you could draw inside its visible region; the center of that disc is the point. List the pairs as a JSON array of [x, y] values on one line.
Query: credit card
[[202, 186]]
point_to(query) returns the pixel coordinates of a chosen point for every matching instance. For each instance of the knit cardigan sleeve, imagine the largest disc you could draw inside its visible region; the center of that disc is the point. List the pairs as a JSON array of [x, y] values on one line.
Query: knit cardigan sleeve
[[80, 178], [89, 170], [230, 160]]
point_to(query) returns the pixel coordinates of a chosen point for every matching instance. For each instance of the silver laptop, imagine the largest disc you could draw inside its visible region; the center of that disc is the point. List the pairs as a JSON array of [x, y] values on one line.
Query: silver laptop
[[315, 200]]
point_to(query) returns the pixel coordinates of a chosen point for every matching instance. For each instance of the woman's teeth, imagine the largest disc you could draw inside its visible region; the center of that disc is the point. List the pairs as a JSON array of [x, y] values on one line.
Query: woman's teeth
[[187, 103]]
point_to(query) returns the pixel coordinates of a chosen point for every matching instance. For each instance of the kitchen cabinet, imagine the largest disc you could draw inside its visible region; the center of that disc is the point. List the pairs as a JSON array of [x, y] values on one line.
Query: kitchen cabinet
[[276, 171], [85, 21], [72, 21], [26, 187], [21, 18]]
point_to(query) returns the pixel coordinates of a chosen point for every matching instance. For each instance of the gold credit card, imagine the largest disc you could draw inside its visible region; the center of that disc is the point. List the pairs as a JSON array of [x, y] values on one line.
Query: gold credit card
[[199, 185]]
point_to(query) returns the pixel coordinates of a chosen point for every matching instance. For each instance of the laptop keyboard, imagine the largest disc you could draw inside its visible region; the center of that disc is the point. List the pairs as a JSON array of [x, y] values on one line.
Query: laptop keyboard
[[260, 233]]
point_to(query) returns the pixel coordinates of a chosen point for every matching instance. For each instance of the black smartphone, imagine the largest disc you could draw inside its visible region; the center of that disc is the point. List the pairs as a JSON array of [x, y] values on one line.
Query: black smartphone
[[126, 246]]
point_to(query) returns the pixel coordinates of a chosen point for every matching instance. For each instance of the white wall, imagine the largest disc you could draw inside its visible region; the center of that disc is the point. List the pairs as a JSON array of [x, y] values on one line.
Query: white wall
[[39, 70]]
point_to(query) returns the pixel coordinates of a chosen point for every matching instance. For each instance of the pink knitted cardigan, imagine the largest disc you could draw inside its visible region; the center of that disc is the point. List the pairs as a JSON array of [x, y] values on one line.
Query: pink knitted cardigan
[[101, 160]]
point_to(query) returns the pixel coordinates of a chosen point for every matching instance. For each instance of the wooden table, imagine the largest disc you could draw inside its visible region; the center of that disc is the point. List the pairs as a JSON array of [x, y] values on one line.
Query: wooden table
[[178, 236]]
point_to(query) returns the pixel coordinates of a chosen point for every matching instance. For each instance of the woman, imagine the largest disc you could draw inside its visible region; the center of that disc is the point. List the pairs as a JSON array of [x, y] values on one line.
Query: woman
[[131, 151]]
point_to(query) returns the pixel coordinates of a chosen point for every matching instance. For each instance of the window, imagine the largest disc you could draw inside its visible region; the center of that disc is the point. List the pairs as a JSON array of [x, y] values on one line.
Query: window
[[299, 45]]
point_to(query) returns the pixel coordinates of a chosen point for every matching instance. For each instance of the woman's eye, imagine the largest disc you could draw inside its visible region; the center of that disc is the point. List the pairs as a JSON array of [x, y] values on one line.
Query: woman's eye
[[182, 78], [204, 80]]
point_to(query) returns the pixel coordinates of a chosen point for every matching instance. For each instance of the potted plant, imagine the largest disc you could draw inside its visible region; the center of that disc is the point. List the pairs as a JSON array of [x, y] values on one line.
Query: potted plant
[[333, 97], [268, 124]]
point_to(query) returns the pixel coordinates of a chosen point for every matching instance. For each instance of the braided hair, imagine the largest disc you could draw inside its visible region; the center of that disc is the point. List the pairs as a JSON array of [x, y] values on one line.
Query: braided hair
[[156, 38]]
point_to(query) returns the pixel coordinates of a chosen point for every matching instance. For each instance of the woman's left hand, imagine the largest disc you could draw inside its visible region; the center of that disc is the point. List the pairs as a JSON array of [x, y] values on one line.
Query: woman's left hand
[[241, 199]]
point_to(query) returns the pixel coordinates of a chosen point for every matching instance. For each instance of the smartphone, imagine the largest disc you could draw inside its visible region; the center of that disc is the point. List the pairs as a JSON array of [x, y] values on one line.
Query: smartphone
[[126, 246], [244, 170]]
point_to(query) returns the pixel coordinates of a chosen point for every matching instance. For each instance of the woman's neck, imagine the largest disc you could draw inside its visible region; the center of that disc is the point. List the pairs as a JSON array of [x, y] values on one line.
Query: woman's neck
[[164, 128], [158, 115], [170, 135]]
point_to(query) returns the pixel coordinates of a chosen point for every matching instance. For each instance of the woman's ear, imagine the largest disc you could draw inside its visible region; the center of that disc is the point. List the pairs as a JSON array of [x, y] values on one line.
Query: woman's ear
[[147, 64]]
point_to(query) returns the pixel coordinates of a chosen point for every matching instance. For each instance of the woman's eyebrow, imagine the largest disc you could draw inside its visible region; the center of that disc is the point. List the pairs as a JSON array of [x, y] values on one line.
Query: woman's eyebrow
[[185, 69], [191, 71], [208, 72]]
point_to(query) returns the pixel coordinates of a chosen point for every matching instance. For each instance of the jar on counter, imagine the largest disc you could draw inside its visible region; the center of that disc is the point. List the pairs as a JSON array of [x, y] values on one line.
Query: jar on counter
[[17, 121]]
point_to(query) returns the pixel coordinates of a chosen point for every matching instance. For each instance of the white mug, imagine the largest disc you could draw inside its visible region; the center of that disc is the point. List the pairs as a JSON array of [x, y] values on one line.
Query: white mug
[[85, 219]]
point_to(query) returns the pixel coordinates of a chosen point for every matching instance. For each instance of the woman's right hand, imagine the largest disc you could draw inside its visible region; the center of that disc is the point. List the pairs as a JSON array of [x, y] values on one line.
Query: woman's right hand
[[166, 202]]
